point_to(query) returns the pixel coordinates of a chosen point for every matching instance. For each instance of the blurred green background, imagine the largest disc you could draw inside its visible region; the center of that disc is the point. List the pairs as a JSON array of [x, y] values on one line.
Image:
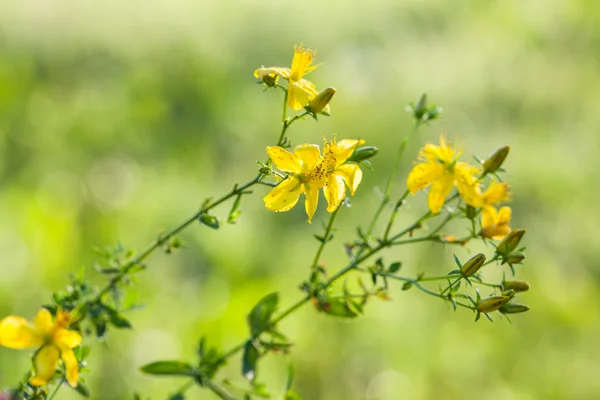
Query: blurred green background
[[118, 118]]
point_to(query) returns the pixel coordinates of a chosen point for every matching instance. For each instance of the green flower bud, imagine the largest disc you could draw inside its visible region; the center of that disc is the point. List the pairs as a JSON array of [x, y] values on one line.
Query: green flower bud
[[510, 241], [473, 265], [495, 160], [513, 258], [470, 212], [492, 303], [363, 153], [321, 101], [270, 79], [513, 308], [517, 286]]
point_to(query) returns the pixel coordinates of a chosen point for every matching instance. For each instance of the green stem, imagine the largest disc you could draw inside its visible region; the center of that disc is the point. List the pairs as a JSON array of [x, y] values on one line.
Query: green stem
[[452, 284], [325, 238], [56, 389], [219, 391], [399, 204]]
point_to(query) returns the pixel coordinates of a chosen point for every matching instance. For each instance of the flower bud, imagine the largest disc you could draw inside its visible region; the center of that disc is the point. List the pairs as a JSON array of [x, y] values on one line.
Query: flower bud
[[492, 303], [513, 258], [270, 79], [470, 212], [510, 241], [321, 101], [495, 160], [517, 286], [363, 153], [473, 265], [513, 308]]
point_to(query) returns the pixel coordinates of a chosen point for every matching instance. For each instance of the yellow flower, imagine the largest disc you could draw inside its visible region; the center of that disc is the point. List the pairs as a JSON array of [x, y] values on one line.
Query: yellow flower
[[339, 173], [300, 91], [495, 223], [52, 338], [440, 168], [309, 172]]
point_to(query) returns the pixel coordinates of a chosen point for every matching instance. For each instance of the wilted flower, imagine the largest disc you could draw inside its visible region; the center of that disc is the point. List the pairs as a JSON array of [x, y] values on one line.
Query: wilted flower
[[53, 339], [300, 91], [440, 168]]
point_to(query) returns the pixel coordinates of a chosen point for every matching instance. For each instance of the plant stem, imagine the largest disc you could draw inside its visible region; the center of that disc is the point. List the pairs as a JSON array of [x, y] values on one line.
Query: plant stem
[[56, 389], [219, 391], [325, 238]]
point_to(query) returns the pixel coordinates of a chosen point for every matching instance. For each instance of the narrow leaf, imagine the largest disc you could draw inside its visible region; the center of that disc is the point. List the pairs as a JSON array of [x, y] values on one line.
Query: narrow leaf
[[249, 361], [177, 368]]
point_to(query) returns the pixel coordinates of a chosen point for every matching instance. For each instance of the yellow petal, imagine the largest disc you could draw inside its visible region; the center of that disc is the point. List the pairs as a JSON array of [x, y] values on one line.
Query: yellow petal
[[504, 215], [344, 149], [285, 195], [301, 62], [312, 199], [298, 95], [71, 367], [352, 175], [496, 193], [439, 191], [45, 365], [67, 340], [284, 160], [309, 154], [489, 217], [16, 333], [422, 175], [335, 191], [283, 72], [43, 320], [467, 184]]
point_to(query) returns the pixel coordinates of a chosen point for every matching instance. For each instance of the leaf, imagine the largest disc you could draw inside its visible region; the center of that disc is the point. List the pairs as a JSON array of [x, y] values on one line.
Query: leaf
[[177, 396], [249, 361], [116, 319], [82, 389], [395, 267], [336, 308], [457, 261], [407, 285], [177, 368], [260, 316], [209, 220]]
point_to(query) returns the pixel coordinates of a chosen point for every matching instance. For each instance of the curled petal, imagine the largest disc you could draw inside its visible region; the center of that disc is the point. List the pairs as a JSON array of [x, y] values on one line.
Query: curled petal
[[45, 362], [438, 192], [496, 193], [284, 160], [335, 191], [504, 215], [300, 93], [283, 72], [67, 340], [467, 184], [352, 175], [312, 199], [344, 149], [285, 195], [16, 333], [309, 154], [71, 367], [422, 175]]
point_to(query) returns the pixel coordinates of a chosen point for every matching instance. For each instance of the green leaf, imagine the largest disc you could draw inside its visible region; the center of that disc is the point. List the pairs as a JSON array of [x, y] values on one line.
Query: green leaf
[[395, 267], [116, 319], [407, 285], [177, 396], [337, 308], [177, 368], [82, 389], [260, 316], [209, 220], [249, 361]]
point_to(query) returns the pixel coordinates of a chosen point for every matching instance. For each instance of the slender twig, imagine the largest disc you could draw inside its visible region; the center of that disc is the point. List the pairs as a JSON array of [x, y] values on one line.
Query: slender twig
[[56, 389], [219, 391], [325, 238]]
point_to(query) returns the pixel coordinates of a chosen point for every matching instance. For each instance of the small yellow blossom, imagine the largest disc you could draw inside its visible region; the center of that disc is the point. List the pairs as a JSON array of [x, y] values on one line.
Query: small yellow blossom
[[300, 90], [310, 171], [495, 223], [53, 339], [440, 168]]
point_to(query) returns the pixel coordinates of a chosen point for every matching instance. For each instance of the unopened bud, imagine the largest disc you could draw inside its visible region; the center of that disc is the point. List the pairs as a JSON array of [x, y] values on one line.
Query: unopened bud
[[510, 241], [517, 286], [363, 153], [270, 79], [473, 265], [513, 258], [321, 101], [470, 212], [495, 160], [512, 308], [492, 303]]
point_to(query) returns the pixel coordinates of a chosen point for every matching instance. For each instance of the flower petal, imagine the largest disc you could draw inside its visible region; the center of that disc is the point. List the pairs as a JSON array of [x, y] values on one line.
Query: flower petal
[[45, 365], [467, 184], [422, 175], [309, 154], [298, 95], [312, 199], [504, 215], [489, 216], [16, 333], [344, 149], [67, 340], [284, 160], [438, 192], [43, 320], [496, 193], [352, 175], [335, 191], [71, 367], [285, 195], [283, 72]]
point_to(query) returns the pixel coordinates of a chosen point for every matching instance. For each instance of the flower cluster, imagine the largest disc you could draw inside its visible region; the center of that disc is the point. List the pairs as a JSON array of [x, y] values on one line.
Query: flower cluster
[[440, 169]]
